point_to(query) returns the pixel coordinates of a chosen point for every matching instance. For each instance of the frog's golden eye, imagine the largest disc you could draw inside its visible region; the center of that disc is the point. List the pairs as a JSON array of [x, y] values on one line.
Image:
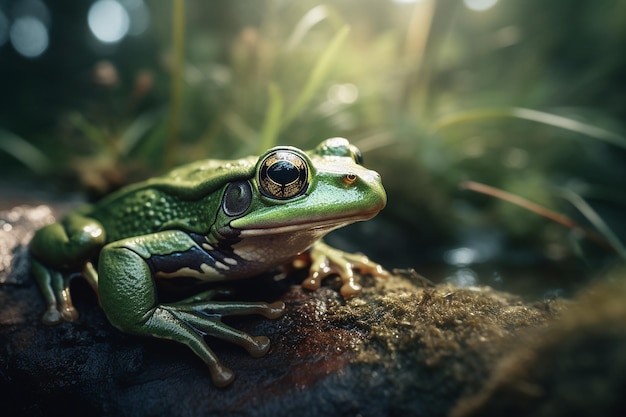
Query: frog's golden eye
[[283, 174], [349, 179]]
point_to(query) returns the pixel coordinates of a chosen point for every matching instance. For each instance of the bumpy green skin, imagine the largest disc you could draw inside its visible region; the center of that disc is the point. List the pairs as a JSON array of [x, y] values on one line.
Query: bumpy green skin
[[214, 221]]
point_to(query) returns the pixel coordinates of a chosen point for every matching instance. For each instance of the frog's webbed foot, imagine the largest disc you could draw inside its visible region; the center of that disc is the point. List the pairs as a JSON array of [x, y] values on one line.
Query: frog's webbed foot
[[205, 316], [191, 321], [326, 261]]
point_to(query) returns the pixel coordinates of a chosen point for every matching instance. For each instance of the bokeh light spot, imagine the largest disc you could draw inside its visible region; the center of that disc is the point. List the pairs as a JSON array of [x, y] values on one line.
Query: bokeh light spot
[[464, 278], [29, 36], [480, 5], [32, 8], [108, 20], [343, 93], [139, 16], [460, 256], [516, 158]]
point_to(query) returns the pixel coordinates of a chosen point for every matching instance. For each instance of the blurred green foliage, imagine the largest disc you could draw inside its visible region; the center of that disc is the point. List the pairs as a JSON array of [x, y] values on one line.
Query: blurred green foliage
[[526, 96]]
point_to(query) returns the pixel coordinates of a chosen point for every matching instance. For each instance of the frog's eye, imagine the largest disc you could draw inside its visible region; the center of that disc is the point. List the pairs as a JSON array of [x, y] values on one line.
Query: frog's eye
[[356, 154], [283, 174], [237, 198]]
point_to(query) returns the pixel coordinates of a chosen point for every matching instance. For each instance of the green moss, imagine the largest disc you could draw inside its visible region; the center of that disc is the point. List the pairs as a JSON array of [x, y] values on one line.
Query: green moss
[[574, 366], [459, 333]]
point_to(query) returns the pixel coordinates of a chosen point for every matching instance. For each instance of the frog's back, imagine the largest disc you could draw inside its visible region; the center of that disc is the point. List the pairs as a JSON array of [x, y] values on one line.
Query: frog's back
[[186, 198], [203, 177]]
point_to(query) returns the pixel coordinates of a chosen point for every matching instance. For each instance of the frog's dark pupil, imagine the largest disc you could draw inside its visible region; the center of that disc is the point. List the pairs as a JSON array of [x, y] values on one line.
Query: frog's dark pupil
[[283, 172]]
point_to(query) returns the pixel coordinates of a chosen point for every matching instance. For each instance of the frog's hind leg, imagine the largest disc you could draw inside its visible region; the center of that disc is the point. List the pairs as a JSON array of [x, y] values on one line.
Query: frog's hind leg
[[61, 252], [55, 288]]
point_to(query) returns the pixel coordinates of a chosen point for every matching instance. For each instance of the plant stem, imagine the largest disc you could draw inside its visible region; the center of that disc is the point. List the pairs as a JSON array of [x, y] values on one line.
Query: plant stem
[[176, 83]]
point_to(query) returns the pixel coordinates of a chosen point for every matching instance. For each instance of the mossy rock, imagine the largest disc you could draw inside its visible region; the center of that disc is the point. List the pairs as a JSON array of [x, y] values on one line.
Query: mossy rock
[[403, 347]]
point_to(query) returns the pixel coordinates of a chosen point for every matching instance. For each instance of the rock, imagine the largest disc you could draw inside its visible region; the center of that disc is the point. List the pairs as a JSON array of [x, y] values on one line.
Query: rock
[[574, 367], [16, 229], [400, 348]]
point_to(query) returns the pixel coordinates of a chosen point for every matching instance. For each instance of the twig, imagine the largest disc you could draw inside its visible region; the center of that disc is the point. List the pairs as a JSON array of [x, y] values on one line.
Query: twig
[[536, 208]]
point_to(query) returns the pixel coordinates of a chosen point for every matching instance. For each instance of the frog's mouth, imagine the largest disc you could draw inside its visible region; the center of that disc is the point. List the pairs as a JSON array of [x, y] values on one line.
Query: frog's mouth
[[327, 208], [321, 226]]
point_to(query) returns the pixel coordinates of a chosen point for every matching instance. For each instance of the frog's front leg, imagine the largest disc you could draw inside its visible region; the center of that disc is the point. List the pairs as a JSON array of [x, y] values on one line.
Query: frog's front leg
[[326, 261], [129, 299]]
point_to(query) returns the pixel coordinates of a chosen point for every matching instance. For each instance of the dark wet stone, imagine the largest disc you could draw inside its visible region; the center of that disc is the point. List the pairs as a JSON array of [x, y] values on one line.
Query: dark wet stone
[[400, 348]]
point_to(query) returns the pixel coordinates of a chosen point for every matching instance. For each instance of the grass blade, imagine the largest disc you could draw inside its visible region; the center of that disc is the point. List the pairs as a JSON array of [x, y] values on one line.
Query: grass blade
[[593, 217], [317, 75], [314, 16], [537, 116], [271, 124], [24, 152], [138, 129], [605, 236], [97, 136]]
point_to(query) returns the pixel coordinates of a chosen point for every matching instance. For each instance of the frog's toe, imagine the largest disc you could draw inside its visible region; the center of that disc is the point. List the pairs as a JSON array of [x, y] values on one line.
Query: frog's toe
[[258, 346], [326, 261], [221, 375], [206, 296], [274, 310], [350, 289], [375, 270], [69, 313], [52, 316]]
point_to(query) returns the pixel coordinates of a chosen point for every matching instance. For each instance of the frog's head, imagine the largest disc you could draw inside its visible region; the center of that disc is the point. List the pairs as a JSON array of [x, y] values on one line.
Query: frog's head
[[296, 197]]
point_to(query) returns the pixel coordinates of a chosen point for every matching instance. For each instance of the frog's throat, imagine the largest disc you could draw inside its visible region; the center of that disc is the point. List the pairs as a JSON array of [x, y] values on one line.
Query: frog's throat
[[327, 224]]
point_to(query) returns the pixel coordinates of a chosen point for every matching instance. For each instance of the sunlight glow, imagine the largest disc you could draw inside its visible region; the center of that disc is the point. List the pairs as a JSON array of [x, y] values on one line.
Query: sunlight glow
[[108, 20], [29, 36], [479, 5]]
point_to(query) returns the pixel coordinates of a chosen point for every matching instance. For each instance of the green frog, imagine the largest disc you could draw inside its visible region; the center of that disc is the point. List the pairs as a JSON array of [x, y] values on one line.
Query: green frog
[[213, 220]]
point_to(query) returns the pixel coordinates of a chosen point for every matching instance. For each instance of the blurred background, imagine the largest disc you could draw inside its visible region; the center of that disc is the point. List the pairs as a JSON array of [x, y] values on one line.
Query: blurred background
[[527, 96]]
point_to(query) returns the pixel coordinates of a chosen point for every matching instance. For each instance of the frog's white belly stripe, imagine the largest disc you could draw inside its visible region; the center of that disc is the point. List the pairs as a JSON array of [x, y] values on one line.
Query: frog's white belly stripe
[[230, 261], [202, 261], [206, 261], [221, 265]]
